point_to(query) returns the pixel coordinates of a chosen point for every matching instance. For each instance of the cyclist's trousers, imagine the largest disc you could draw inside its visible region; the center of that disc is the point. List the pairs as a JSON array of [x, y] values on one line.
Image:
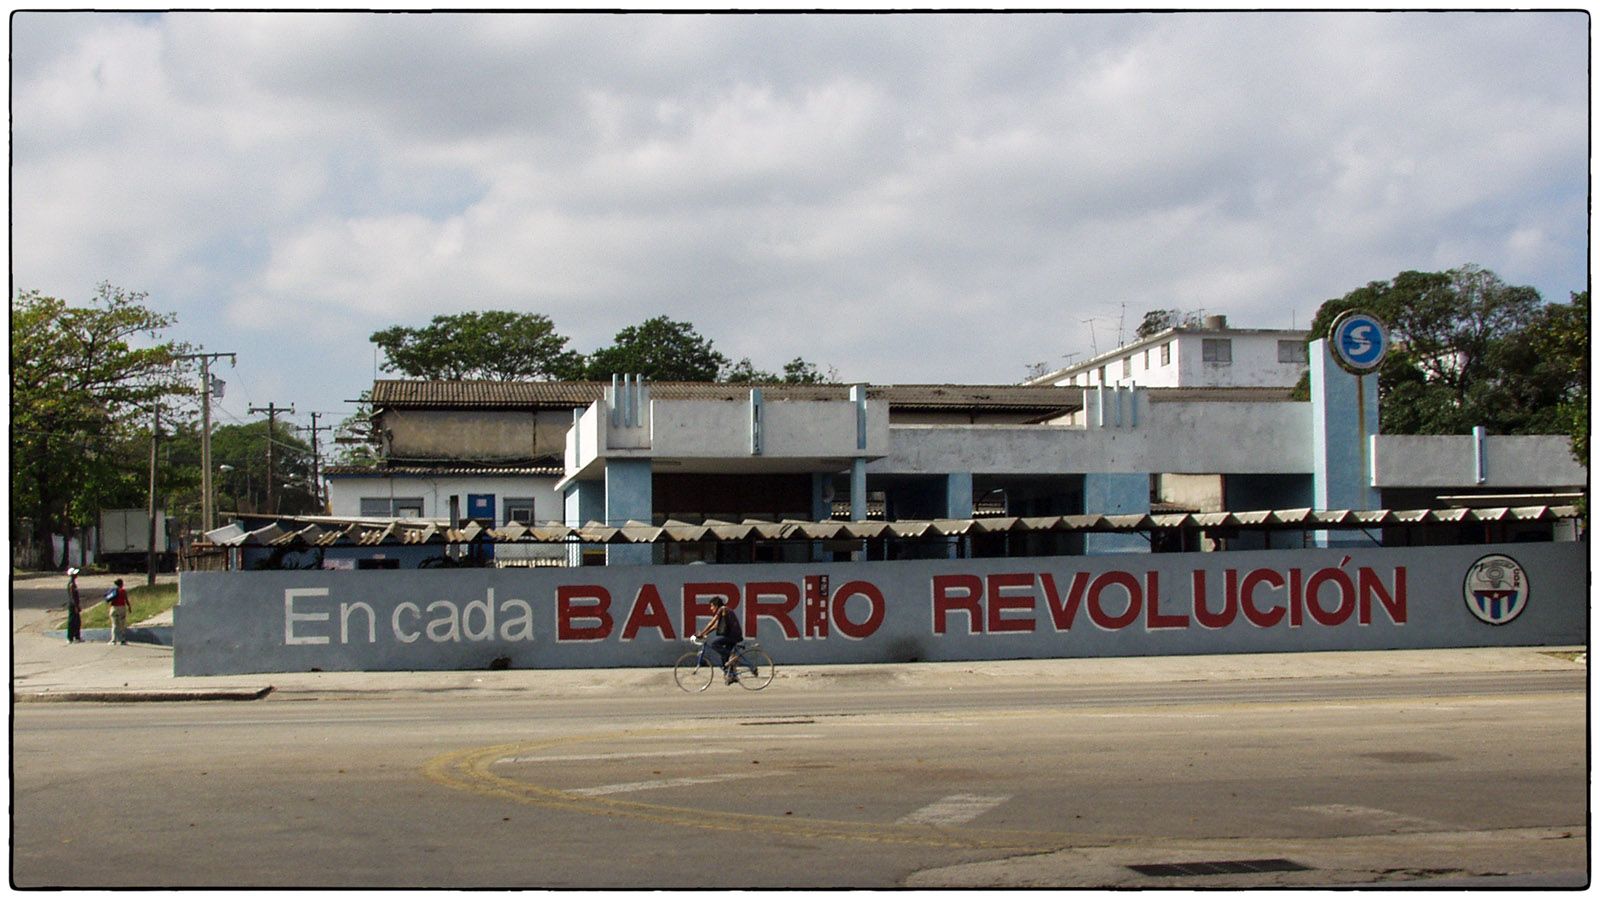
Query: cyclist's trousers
[[723, 648]]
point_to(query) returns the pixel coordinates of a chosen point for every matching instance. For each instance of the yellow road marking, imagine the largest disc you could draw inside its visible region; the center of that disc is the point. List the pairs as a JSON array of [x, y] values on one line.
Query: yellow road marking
[[471, 770]]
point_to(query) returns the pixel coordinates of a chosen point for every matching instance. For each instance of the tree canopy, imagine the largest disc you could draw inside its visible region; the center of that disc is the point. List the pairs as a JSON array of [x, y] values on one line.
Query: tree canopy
[[242, 487], [85, 382], [501, 345], [660, 349], [1471, 350], [1158, 320], [495, 344], [795, 371]]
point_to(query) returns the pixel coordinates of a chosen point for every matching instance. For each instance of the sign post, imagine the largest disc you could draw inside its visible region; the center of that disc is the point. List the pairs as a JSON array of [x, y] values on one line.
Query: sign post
[[1359, 342]]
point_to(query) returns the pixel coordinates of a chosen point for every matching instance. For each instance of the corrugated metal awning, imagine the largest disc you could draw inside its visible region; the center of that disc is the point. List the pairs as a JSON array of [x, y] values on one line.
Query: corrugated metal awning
[[323, 531]]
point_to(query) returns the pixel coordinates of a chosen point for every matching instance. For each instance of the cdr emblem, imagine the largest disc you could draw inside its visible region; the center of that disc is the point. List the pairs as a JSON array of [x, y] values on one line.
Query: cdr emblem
[[1496, 589]]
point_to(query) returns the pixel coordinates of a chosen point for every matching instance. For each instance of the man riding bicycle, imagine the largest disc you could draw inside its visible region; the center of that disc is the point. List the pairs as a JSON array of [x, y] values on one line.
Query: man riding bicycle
[[725, 625]]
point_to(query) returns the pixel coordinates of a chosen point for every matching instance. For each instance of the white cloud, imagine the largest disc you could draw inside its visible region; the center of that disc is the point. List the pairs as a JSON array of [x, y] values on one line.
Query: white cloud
[[907, 198]]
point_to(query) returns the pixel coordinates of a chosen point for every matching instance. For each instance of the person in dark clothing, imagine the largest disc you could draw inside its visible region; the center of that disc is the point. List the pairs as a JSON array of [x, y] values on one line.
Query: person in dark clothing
[[726, 633], [74, 609]]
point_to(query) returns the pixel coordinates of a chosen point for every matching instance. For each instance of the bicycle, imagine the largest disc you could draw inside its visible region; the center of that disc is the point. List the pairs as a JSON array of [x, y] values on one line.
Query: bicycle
[[694, 671]]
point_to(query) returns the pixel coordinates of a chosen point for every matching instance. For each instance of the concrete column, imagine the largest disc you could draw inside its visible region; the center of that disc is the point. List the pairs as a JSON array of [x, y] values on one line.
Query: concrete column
[[583, 502], [858, 489], [821, 506], [1115, 495], [958, 495], [957, 503], [628, 497], [858, 498], [1344, 413]]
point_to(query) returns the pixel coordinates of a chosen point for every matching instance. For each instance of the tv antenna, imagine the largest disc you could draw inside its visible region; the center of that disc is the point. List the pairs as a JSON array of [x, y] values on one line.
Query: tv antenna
[[1093, 344]]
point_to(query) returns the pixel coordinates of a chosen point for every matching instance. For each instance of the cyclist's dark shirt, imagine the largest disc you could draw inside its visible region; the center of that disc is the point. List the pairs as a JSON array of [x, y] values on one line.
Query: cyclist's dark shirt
[[729, 626]]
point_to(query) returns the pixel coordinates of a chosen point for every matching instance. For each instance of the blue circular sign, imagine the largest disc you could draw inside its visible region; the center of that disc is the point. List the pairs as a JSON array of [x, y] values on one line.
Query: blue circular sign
[[1359, 341]]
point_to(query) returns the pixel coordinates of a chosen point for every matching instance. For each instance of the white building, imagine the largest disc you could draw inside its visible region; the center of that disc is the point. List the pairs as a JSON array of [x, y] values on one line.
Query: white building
[[1211, 355]]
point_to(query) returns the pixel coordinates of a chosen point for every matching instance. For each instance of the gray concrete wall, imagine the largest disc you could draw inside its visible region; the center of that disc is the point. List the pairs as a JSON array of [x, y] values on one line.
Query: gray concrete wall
[[1245, 602], [1194, 438], [475, 433], [1444, 461]]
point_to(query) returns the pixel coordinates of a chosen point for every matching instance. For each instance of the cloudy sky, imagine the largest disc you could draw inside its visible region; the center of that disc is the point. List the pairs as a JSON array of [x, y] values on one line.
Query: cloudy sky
[[903, 198]]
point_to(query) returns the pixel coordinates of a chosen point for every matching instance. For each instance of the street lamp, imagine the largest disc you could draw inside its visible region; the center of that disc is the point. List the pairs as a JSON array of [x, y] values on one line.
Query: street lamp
[[226, 470]]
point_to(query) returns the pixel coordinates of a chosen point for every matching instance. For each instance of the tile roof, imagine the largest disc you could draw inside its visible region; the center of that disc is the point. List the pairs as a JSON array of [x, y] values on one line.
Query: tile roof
[[451, 469]]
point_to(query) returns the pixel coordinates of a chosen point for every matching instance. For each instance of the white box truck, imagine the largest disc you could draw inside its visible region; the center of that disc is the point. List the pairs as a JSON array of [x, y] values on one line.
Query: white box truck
[[125, 540]]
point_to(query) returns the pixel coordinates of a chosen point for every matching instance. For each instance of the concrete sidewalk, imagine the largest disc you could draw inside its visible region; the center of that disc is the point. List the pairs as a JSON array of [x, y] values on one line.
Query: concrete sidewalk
[[45, 668]]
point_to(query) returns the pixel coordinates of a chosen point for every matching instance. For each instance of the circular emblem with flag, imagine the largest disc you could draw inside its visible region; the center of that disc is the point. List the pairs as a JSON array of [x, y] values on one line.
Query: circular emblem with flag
[[1359, 341], [1496, 589]]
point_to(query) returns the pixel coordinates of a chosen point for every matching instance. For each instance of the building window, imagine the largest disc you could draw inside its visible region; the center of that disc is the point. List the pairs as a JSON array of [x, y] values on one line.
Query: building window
[[1127, 367], [1166, 354], [1147, 360], [1218, 351], [519, 509], [1292, 352], [392, 507], [1102, 374]]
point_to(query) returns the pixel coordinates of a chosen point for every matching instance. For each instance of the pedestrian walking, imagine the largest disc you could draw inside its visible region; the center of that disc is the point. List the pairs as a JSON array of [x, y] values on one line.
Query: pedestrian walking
[[74, 609], [117, 599]]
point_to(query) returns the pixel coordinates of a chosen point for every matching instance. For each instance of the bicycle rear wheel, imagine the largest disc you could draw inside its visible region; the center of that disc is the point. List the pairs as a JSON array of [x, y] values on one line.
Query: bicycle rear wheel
[[692, 672], [755, 669]]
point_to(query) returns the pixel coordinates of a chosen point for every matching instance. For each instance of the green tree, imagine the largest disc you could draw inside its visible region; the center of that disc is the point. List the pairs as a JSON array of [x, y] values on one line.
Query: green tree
[[1158, 320], [1559, 345], [795, 371], [1470, 350], [660, 349], [354, 438], [242, 487], [496, 345], [85, 382]]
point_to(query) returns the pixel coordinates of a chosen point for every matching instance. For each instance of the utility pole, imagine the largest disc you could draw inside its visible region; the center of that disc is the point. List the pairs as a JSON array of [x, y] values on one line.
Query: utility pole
[[272, 410], [316, 458], [208, 512], [150, 550]]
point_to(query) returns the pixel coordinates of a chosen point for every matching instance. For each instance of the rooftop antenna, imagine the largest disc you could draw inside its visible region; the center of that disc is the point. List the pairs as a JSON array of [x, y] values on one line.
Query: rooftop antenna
[[1093, 344]]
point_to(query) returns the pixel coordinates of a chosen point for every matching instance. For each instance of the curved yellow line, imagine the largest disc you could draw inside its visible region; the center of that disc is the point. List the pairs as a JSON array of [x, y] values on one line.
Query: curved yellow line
[[469, 770]]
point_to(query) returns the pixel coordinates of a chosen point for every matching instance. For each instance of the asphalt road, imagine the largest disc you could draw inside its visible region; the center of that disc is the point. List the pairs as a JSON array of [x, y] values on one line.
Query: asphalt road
[[1451, 780]]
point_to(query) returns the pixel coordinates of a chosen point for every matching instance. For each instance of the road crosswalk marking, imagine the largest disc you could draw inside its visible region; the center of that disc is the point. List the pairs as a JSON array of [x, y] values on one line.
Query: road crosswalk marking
[[591, 757], [957, 809], [604, 789], [1382, 818]]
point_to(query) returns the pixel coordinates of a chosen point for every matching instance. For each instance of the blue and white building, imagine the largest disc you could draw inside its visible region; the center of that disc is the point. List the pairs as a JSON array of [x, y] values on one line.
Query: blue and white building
[[631, 452]]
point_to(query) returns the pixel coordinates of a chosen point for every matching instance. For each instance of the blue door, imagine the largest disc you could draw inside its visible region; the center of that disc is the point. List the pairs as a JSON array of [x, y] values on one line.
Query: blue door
[[480, 508]]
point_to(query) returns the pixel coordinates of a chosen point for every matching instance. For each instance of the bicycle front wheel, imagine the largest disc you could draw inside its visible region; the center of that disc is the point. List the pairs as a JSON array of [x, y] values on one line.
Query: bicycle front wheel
[[755, 669], [693, 673]]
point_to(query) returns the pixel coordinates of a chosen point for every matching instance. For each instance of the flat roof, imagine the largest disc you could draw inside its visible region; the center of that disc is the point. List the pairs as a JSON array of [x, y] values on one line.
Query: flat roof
[[1162, 337], [557, 395], [567, 395]]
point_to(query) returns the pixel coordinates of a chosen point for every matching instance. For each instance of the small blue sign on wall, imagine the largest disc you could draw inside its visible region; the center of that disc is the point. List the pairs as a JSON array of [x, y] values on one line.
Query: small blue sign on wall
[[1359, 341], [480, 507]]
